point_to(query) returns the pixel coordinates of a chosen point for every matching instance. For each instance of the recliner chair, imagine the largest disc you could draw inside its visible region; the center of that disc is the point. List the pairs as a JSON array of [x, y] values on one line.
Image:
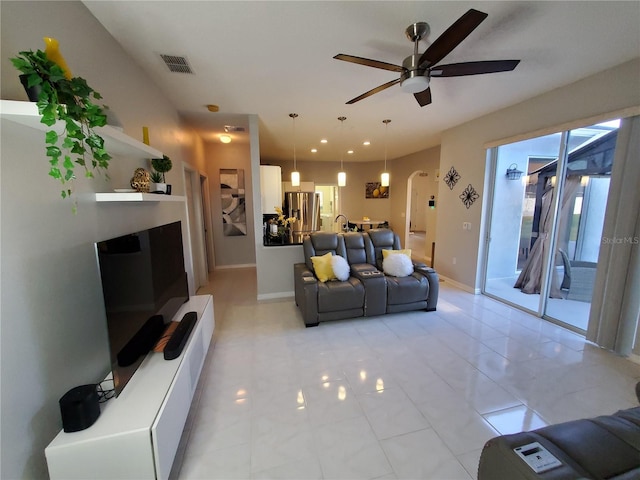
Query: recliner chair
[[414, 292], [333, 300]]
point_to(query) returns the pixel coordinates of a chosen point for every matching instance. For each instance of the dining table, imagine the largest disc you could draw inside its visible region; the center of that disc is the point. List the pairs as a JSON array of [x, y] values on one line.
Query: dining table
[[367, 223]]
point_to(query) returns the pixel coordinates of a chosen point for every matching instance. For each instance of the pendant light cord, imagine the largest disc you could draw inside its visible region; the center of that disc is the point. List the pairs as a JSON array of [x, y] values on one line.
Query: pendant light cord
[[386, 138], [342, 119]]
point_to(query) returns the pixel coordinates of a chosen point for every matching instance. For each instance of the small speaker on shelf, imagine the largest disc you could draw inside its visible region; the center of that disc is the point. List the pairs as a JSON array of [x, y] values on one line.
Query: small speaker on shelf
[[80, 408]]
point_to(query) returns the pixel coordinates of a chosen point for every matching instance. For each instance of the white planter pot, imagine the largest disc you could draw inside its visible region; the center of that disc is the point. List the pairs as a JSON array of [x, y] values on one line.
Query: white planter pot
[[158, 187]]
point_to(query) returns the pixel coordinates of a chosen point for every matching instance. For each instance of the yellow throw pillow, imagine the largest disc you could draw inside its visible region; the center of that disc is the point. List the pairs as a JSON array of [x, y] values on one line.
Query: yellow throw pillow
[[406, 251], [323, 268]]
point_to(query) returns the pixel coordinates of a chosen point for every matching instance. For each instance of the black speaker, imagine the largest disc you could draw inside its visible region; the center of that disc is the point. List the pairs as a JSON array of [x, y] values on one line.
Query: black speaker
[[80, 408]]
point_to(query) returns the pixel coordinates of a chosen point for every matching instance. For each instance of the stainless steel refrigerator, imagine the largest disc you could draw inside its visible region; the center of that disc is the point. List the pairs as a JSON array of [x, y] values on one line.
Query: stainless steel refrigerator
[[305, 207]]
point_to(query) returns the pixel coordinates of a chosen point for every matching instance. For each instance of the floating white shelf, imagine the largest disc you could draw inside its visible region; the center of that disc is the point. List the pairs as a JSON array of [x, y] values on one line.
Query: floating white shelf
[[115, 141], [137, 197]]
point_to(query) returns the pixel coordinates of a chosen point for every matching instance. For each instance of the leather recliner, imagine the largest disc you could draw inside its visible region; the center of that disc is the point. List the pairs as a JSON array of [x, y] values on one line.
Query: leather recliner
[[333, 300], [597, 448], [418, 291], [368, 291]]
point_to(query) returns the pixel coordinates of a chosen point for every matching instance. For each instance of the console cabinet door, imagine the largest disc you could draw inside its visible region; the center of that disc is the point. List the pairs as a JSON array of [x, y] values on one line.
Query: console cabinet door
[[167, 431]]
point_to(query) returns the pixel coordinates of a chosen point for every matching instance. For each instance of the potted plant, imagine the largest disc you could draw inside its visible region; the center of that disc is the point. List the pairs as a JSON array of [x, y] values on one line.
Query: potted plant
[[160, 167], [157, 183], [68, 102]]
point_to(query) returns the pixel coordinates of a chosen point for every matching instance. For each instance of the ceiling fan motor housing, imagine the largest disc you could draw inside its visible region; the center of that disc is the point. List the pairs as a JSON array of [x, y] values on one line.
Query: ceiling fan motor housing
[[413, 79]]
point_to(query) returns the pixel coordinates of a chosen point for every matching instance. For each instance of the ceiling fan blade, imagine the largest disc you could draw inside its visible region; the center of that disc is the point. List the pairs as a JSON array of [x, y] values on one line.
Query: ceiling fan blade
[[452, 36], [423, 97], [473, 68], [375, 90], [368, 62]]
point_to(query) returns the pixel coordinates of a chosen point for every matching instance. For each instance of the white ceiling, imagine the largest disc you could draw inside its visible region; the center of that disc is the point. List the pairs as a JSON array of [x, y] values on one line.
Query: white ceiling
[[273, 58]]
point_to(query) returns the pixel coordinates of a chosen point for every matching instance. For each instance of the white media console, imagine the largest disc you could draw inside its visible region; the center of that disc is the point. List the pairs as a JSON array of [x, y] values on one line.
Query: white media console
[[137, 434]]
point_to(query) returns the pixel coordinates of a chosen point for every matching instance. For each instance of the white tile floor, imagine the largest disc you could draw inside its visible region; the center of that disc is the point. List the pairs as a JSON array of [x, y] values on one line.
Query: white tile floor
[[411, 395]]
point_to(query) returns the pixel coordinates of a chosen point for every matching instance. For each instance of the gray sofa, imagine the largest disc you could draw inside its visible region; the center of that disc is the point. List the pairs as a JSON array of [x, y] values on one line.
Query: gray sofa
[[596, 448], [368, 291]]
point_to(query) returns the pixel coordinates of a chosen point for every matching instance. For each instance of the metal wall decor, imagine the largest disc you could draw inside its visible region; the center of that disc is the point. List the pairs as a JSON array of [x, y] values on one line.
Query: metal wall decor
[[451, 178], [469, 196]]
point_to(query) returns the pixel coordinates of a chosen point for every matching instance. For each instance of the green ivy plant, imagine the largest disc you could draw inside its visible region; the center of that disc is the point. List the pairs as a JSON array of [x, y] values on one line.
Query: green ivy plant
[[161, 165], [70, 102]]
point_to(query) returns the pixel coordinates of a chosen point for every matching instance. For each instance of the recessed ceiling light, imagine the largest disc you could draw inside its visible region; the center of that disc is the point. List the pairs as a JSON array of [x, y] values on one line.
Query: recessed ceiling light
[[349, 152], [314, 150], [324, 140], [366, 143], [225, 138], [213, 108]]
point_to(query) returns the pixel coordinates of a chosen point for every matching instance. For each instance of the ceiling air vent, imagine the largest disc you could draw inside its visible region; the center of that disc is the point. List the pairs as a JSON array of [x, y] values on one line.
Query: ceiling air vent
[[177, 64], [232, 128]]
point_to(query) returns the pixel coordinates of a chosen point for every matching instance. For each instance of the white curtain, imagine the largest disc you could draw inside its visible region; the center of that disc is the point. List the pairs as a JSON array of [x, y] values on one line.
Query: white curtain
[[615, 306]]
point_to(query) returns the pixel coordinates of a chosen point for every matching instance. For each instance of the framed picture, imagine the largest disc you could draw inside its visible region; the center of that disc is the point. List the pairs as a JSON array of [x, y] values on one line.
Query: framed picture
[[375, 190], [234, 220]]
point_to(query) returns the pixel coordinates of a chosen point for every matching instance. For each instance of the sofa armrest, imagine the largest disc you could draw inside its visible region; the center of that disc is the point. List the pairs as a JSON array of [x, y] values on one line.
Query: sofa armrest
[[375, 288], [306, 293], [364, 270], [434, 284]]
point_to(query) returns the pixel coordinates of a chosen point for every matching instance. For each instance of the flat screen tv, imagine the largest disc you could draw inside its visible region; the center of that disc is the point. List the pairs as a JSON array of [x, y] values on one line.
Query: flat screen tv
[[144, 284]]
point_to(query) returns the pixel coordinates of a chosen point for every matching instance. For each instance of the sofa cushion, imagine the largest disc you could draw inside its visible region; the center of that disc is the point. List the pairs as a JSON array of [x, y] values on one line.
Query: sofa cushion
[[410, 289], [340, 267], [336, 296], [398, 265], [322, 267]]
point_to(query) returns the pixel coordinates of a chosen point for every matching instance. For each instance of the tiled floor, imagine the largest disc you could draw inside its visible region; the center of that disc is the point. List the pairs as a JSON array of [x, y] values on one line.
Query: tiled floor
[[411, 395]]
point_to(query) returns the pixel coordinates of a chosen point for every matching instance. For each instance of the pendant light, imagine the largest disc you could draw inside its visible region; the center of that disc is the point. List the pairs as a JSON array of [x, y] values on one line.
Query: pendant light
[[295, 175], [342, 175], [384, 178]]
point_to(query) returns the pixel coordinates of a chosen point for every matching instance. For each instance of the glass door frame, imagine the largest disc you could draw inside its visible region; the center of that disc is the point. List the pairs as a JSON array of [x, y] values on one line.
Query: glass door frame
[[548, 258]]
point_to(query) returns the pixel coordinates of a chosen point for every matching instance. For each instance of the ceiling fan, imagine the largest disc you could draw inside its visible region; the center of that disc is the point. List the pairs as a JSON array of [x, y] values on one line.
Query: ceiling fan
[[417, 70]]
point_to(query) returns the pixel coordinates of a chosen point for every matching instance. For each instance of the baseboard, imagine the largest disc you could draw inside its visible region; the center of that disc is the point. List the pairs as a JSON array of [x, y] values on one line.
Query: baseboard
[[276, 295], [239, 265], [461, 286]]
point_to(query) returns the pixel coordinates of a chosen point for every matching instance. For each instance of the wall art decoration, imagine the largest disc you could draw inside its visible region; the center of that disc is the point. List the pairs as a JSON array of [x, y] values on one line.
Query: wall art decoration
[[469, 196], [375, 190], [451, 178], [234, 217]]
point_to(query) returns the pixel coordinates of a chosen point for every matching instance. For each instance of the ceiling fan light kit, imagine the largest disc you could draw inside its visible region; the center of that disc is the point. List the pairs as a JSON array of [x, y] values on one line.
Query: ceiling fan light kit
[[417, 70]]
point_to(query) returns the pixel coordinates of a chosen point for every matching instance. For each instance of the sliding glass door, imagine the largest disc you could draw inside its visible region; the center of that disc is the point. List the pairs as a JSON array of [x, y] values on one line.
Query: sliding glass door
[[547, 211]]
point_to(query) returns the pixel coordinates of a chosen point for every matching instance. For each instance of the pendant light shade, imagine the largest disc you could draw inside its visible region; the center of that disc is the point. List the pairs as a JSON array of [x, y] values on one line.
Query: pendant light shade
[[384, 178], [295, 175], [342, 175]]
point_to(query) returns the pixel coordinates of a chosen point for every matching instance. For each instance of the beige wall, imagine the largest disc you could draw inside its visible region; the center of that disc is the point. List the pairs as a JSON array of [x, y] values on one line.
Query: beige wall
[[53, 325], [463, 147], [236, 251]]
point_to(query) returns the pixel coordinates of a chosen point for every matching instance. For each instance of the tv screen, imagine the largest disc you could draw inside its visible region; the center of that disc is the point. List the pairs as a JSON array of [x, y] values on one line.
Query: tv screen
[[144, 283]]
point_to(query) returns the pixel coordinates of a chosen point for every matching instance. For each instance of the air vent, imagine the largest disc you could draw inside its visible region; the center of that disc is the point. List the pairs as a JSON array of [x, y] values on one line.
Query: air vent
[[177, 64], [231, 129]]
